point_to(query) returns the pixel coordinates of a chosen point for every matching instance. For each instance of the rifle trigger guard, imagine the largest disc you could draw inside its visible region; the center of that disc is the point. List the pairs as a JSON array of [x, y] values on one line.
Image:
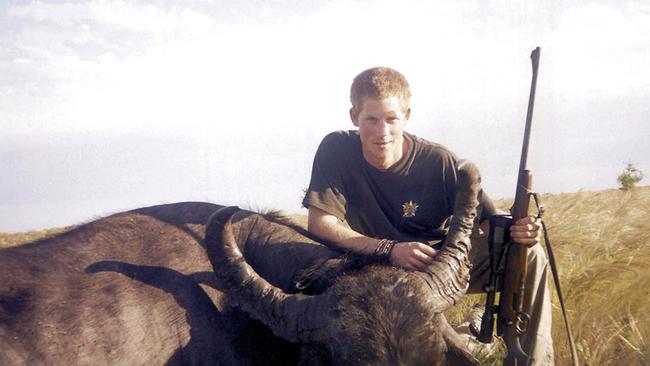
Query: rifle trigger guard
[[523, 320]]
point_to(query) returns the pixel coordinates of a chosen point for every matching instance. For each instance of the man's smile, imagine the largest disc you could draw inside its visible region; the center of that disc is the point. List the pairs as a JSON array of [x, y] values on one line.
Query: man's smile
[[383, 144]]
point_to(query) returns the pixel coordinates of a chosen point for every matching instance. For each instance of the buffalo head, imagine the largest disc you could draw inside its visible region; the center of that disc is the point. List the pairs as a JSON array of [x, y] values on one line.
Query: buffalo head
[[378, 315]]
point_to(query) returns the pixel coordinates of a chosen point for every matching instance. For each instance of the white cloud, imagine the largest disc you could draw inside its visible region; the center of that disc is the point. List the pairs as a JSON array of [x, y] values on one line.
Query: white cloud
[[118, 65], [185, 63], [600, 48], [22, 61], [147, 18]]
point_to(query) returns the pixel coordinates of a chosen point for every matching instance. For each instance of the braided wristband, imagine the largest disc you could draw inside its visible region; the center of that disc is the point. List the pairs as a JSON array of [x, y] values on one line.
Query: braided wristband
[[383, 250]]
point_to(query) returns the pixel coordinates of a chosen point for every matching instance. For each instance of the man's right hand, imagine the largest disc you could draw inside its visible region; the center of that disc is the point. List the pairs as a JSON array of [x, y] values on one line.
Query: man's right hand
[[412, 256]]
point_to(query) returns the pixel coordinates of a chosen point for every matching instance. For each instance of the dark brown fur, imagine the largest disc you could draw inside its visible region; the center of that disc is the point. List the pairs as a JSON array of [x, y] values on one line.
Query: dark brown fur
[[132, 289]]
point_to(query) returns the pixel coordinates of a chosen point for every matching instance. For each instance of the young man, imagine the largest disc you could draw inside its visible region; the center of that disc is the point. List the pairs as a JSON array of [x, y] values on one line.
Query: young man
[[380, 182]]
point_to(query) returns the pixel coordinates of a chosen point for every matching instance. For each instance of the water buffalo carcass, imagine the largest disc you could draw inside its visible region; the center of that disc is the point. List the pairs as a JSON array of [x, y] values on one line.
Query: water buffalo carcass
[[371, 315], [139, 288]]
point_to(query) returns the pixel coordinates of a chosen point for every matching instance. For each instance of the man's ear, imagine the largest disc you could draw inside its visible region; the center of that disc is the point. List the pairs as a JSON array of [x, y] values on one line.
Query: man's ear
[[408, 113], [354, 117]]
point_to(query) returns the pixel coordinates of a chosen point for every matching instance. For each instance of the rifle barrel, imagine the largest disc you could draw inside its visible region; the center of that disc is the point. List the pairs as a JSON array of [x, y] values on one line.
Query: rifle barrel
[[534, 56]]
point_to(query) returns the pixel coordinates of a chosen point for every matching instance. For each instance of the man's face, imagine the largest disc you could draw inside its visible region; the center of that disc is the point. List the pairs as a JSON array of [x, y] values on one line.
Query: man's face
[[381, 123]]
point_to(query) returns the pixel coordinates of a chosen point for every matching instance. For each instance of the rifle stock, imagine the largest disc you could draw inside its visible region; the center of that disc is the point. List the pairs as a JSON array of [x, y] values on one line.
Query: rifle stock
[[512, 321]]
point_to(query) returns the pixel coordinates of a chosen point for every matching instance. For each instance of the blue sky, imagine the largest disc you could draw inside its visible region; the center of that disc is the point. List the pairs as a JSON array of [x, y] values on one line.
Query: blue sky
[[112, 105]]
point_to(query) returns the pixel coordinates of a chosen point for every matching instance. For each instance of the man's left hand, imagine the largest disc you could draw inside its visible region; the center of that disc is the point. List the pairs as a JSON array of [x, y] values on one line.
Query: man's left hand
[[526, 231]]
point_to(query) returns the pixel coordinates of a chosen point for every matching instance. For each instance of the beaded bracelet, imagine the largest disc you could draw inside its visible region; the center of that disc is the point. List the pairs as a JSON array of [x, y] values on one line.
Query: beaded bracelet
[[383, 250]]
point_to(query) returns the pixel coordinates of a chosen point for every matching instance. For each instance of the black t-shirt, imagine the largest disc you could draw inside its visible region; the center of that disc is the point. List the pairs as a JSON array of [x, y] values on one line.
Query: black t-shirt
[[410, 201]]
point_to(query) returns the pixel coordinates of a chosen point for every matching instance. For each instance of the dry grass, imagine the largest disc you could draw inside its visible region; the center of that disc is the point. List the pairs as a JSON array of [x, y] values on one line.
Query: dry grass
[[600, 241], [13, 239]]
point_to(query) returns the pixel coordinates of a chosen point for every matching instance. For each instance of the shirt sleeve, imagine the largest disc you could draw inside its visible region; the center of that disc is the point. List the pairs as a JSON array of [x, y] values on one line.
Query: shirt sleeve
[[326, 190]]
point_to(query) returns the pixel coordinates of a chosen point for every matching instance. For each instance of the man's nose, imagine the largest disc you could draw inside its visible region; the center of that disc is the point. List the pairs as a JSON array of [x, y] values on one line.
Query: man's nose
[[383, 128]]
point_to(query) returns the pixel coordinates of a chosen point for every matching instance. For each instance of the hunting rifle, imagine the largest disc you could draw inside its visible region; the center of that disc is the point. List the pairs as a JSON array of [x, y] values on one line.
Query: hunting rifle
[[512, 321], [508, 267]]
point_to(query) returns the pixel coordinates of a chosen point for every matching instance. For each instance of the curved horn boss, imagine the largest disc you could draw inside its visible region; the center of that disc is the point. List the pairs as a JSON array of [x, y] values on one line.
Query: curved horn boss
[[378, 315]]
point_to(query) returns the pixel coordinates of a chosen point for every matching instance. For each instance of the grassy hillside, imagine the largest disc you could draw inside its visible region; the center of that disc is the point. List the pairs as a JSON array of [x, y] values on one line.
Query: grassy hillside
[[601, 243]]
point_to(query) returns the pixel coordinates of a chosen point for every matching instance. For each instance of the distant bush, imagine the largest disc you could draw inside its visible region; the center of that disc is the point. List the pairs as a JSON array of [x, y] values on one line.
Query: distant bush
[[630, 177]]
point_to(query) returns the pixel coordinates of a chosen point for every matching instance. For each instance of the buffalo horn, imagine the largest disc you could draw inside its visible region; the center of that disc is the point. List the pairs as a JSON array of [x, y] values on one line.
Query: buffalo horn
[[294, 317], [448, 275]]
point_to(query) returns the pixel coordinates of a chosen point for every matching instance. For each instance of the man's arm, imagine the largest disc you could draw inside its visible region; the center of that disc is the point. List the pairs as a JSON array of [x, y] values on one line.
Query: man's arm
[[412, 256]]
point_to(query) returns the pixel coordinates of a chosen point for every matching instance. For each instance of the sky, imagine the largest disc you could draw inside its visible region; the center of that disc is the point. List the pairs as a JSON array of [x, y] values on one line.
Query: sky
[[107, 106]]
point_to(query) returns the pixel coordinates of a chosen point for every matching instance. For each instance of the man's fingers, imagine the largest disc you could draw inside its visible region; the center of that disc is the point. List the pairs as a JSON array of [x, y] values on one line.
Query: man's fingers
[[413, 256], [524, 227], [424, 257], [523, 234], [526, 231], [526, 220], [419, 264], [427, 250]]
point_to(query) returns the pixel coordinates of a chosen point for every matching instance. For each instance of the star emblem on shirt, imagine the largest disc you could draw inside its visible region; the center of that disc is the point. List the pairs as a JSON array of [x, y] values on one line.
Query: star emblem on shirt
[[409, 208]]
